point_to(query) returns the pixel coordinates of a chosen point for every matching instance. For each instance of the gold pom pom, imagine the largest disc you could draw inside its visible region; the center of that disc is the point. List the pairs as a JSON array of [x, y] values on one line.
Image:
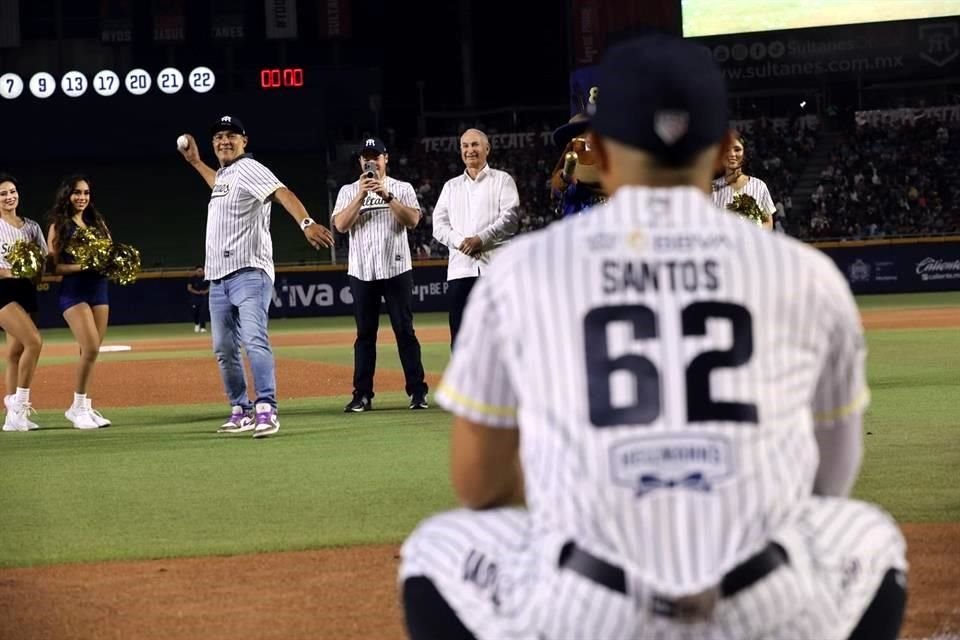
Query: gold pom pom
[[90, 249], [124, 264], [747, 206], [26, 259]]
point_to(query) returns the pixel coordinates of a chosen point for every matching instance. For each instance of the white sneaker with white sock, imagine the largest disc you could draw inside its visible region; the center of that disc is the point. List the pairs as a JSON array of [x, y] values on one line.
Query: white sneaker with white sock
[[97, 416], [14, 421], [79, 414], [11, 404]]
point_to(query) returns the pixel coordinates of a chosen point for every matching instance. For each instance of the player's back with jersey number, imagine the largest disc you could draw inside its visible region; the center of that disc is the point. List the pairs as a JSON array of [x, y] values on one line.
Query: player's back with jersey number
[[657, 411], [668, 379]]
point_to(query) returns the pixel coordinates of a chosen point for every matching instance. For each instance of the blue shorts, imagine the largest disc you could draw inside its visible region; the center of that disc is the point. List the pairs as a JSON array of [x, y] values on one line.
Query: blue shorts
[[86, 286]]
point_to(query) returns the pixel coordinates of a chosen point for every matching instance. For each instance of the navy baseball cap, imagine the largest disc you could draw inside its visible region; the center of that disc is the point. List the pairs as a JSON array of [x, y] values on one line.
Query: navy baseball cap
[[228, 123], [374, 145], [663, 95]]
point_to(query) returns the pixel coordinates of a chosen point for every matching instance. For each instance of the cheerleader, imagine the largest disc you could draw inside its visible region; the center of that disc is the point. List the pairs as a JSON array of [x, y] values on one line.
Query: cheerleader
[[18, 299], [83, 293]]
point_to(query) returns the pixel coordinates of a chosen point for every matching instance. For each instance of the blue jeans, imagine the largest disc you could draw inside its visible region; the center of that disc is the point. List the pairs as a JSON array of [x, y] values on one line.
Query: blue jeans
[[239, 306]]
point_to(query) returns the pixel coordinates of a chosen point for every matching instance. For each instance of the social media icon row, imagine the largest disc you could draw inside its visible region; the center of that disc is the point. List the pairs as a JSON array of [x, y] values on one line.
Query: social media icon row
[[106, 83]]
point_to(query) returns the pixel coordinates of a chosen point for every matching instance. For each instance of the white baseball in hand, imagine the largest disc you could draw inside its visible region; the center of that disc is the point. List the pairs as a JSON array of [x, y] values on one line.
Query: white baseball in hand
[[183, 142]]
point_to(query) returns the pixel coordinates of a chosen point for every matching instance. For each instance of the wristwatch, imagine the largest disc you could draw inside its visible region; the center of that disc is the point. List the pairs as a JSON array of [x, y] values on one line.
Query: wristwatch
[[306, 222], [388, 198]]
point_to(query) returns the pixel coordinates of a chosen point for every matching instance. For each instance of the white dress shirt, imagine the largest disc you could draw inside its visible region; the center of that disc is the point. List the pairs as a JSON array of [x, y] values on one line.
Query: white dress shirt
[[486, 207]]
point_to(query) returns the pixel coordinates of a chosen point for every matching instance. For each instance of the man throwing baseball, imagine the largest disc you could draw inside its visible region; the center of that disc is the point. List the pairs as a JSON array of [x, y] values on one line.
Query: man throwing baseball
[[683, 431], [239, 266]]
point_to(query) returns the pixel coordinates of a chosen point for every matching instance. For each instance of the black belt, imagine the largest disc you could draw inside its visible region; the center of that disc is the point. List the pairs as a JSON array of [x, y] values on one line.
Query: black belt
[[233, 273], [613, 577]]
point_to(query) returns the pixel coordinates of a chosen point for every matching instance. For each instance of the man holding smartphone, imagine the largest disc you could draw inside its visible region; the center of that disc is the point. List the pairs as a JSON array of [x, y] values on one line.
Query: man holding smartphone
[[376, 211]]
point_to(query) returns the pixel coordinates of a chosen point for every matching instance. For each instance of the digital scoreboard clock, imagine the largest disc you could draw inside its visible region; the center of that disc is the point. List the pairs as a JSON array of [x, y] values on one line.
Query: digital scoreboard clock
[[281, 78]]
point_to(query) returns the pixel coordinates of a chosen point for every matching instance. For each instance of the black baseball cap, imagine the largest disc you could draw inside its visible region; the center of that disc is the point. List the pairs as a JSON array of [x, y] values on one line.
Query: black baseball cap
[[663, 95], [373, 144], [228, 123]]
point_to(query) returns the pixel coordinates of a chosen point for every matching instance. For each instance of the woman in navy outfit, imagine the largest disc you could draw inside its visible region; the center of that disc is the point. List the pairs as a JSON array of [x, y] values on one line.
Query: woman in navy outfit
[[83, 293]]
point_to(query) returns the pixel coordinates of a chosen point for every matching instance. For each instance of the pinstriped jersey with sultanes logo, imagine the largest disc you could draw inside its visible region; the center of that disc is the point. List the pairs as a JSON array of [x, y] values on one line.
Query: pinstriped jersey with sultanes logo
[[723, 194], [238, 219], [665, 362], [379, 249], [9, 234]]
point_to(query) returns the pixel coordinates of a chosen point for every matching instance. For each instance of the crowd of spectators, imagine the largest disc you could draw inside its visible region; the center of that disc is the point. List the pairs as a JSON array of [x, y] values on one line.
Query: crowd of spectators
[[891, 177]]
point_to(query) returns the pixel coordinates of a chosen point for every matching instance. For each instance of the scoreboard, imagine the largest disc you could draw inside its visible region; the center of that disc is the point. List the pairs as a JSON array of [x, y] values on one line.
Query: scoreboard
[[137, 82]]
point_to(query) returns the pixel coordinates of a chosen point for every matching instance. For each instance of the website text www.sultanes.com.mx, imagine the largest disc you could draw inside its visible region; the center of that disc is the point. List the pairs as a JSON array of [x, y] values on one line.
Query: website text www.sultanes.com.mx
[[772, 69]]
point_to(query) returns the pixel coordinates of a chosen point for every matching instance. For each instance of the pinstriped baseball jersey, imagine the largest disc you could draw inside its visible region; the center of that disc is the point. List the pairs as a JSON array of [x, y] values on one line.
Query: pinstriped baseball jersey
[[238, 219], [665, 389], [30, 231], [723, 194], [379, 249]]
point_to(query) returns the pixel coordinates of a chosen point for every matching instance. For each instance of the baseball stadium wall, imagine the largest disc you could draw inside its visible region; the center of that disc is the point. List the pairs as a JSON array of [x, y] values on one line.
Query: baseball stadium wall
[[877, 266]]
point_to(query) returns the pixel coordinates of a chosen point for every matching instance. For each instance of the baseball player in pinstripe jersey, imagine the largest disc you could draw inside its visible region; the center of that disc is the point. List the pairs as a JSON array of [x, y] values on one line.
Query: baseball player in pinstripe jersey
[[683, 431], [376, 211], [239, 266], [734, 182]]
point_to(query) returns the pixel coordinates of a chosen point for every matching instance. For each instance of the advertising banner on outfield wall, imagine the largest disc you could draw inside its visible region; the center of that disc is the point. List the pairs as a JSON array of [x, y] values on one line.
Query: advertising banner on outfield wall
[[885, 50], [876, 268], [295, 295], [899, 268]]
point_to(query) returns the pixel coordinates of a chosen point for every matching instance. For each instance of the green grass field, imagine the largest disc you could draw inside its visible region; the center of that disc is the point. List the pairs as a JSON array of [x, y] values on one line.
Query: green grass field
[[164, 485]]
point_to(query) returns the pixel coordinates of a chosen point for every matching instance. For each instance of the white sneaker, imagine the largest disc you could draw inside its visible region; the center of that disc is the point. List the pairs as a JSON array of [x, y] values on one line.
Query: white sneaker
[[203, 330], [97, 416], [10, 402], [81, 417], [15, 421], [196, 328]]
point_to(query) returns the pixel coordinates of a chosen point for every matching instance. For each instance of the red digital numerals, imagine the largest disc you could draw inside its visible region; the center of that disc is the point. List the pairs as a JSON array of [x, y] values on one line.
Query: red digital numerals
[[281, 78]]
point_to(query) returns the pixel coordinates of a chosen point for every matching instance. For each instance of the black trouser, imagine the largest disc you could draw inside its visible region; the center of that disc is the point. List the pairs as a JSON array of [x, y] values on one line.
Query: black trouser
[[427, 615], [200, 312], [457, 293], [882, 619], [398, 292]]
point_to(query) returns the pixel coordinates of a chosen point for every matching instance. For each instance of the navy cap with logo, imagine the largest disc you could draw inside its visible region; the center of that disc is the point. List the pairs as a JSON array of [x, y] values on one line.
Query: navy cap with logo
[[228, 123], [373, 145], [663, 95]]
